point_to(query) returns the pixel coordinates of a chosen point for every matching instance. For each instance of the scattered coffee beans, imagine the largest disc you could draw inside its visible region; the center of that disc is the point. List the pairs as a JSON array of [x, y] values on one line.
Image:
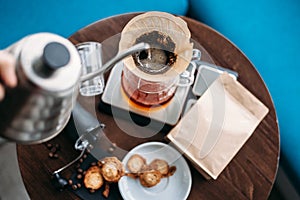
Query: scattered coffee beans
[[53, 148]]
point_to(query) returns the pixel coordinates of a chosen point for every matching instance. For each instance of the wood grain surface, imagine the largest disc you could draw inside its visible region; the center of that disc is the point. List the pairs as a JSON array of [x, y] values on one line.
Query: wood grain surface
[[250, 175]]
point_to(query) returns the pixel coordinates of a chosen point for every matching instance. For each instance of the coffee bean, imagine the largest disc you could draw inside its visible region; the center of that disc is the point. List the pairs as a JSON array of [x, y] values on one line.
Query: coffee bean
[[84, 156], [70, 182], [93, 163], [79, 176], [79, 170], [49, 145], [55, 155], [111, 149], [78, 185], [92, 190], [74, 187], [90, 147], [81, 160], [51, 155]]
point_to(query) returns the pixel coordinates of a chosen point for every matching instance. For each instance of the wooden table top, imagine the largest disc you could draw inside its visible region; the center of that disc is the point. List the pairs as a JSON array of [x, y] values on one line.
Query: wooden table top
[[250, 175]]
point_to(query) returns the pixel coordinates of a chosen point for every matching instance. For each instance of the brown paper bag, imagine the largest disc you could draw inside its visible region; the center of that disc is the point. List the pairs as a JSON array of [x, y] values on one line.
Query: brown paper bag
[[217, 126]]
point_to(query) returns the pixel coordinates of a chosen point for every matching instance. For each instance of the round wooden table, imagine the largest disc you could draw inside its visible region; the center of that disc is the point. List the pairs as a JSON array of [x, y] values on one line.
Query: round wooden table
[[250, 175]]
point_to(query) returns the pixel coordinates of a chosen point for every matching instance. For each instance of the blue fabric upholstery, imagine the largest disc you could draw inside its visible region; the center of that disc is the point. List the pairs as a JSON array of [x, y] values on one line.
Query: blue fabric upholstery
[[22, 17], [268, 32]]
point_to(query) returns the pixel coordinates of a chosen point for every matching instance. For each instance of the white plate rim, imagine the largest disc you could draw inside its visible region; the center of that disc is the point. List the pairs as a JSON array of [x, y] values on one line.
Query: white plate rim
[[170, 148]]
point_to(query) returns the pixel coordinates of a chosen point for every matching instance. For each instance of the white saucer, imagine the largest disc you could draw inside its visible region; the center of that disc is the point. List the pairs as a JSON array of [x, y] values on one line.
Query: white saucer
[[176, 187]]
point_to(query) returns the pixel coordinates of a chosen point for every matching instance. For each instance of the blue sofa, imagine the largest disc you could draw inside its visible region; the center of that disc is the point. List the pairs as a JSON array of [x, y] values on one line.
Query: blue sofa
[[268, 32]]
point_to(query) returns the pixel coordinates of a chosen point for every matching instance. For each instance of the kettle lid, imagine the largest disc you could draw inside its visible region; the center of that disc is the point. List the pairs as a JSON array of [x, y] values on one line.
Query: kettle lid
[[55, 55], [50, 62]]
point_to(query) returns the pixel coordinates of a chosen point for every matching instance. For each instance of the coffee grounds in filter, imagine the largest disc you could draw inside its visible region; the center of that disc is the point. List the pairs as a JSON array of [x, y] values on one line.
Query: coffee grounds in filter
[[160, 57]]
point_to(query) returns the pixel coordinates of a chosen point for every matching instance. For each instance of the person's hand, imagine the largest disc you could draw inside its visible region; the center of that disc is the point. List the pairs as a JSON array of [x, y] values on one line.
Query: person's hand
[[7, 72]]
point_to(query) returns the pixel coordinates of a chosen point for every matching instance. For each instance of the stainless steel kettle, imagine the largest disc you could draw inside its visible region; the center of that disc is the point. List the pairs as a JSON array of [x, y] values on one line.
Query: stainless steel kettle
[[48, 69]]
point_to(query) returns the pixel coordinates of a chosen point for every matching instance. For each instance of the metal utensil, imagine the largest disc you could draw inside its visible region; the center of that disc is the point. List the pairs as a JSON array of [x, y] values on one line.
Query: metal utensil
[[82, 144]]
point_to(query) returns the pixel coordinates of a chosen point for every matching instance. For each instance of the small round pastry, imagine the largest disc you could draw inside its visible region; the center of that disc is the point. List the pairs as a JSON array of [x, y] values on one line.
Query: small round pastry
[[93, 179], [111, 169], [160, 165], [136, 163], [150, 178]]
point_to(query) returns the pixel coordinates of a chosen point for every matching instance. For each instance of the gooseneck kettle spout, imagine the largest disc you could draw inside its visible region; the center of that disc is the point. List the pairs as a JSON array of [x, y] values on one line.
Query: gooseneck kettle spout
[[134, 49]]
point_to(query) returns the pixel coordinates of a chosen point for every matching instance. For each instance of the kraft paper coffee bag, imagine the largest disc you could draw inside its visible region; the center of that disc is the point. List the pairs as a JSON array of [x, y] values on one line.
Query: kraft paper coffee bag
[[217, 126]]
